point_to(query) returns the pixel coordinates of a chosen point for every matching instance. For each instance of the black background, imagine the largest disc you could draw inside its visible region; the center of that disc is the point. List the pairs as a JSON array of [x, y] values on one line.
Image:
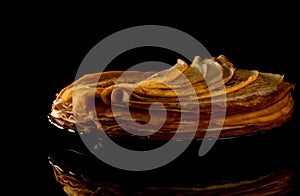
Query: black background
[[267, 42]]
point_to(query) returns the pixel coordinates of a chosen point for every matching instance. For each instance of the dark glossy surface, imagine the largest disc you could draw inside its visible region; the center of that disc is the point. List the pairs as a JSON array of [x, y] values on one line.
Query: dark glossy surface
[[231, 159]]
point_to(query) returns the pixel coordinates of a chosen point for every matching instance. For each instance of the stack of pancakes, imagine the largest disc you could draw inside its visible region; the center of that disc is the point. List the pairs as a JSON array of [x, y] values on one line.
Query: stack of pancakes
[[209, 97], [206, 98]]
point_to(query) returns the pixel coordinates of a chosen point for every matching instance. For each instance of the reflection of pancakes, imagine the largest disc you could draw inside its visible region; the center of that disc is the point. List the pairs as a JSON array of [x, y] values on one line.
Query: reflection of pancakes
[[274, 183], [251, 101], [260, 164]]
